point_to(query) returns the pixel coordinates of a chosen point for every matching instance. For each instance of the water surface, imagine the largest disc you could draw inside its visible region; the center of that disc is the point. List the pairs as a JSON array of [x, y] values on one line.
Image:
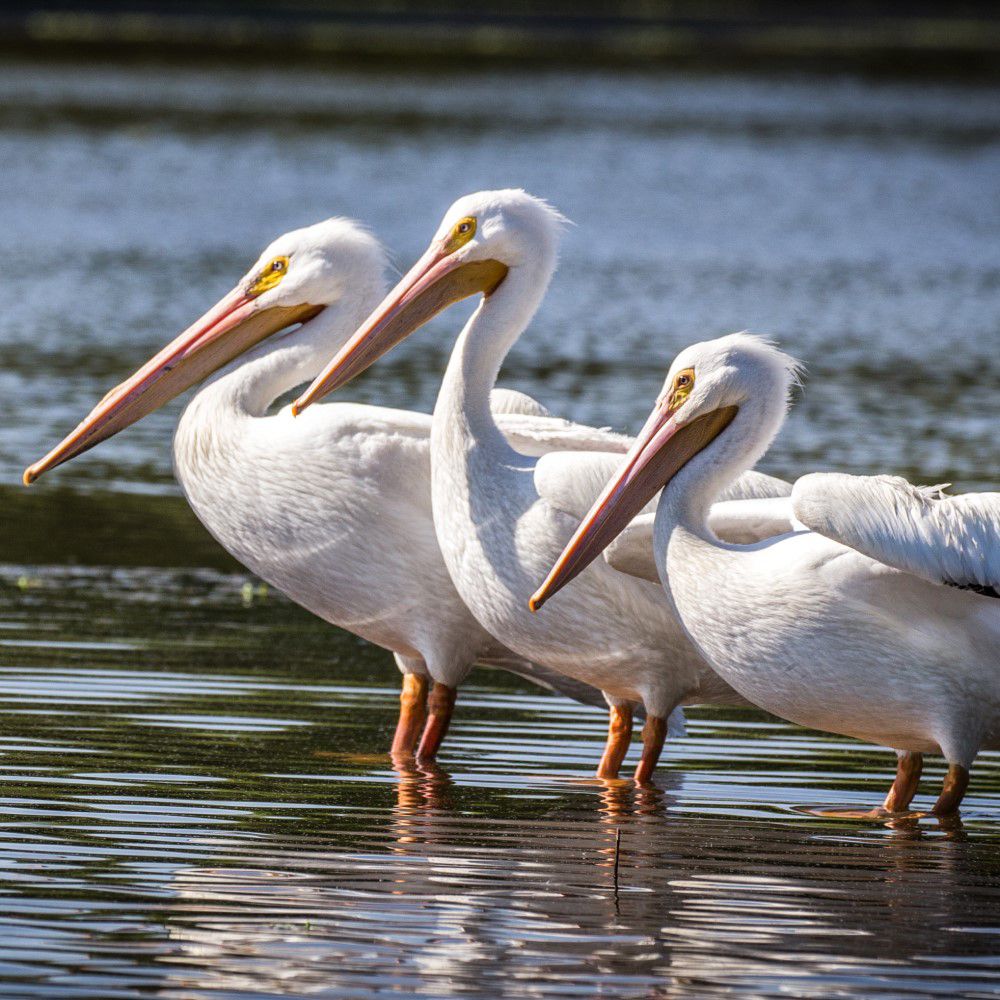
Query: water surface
[[195, 798], [188, 811], [854, 222]]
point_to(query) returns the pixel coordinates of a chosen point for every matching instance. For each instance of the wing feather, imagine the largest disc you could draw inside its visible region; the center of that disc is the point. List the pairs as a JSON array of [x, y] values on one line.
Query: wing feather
[[512, 401], [571, 481], [919, 530], [538, 435], [531, 430], [741, 522], [755, 485], [631, 552]]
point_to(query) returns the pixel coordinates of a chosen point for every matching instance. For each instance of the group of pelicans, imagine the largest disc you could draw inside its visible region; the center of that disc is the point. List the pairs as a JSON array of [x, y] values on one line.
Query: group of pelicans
[[857, 605]]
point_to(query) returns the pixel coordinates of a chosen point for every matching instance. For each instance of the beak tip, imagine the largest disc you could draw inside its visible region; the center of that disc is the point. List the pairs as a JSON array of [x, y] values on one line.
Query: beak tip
[[535, 602], [29, 476]]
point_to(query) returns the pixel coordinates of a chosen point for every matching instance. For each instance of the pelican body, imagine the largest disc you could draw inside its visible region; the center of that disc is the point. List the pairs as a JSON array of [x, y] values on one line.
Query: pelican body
[[502, 516], [333, 509], [874, 616]]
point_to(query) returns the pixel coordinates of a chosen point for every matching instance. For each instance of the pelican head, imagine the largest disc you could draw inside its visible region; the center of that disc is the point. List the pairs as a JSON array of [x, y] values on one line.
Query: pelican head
[[482, 238], [706, 388], [298, 276], [320, 264]]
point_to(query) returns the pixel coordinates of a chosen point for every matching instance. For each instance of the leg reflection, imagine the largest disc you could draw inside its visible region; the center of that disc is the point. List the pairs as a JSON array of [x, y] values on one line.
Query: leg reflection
[[423, 790], [627, 814]]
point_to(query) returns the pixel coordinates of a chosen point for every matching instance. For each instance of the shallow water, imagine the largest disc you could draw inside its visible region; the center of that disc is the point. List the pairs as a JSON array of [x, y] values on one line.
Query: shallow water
[[188, 811], [195, 799], [855, 222]]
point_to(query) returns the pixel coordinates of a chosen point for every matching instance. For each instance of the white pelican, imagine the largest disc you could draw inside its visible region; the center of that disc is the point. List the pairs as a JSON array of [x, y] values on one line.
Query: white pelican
[[878, 619], [501, 516], [333, 510]]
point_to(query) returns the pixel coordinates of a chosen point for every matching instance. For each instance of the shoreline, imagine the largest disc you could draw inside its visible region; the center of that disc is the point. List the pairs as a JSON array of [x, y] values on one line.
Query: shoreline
[[965, 45]]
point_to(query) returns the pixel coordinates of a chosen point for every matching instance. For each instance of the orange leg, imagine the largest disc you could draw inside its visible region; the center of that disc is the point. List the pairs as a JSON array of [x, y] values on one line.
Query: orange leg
[[905, 786], [412, 713], [440, 705], [956, 781], [619, 738], [654, 732]]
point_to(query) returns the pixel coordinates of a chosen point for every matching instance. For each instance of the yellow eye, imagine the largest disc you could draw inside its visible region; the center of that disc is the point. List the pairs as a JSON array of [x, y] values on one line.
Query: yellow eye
[[461, 233], [270, 276], [682, 386]]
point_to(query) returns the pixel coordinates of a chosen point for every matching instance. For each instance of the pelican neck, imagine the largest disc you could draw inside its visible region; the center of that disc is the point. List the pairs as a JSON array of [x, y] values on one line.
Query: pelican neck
[[687, 498], [492, 330], [249, 384]]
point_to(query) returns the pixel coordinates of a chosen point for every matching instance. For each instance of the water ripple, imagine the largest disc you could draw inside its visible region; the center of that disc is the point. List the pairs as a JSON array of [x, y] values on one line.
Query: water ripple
[[244, 835]]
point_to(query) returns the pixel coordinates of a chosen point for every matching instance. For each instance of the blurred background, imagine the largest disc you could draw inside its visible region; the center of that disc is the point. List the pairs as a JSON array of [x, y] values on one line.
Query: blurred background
[[192, 784]]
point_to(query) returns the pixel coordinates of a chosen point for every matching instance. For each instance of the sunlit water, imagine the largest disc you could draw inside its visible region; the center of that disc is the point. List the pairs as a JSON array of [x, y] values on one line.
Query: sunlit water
[[195, 797]]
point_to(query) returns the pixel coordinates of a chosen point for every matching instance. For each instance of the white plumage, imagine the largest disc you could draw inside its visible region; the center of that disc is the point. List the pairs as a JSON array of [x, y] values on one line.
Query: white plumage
[[917, 529], [842, 623], [502, 516], [333, 509]]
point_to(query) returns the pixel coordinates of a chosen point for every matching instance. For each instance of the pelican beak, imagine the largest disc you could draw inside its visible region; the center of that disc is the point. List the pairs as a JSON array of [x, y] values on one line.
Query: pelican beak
[[660, 451], [435, 282], [228, 329]]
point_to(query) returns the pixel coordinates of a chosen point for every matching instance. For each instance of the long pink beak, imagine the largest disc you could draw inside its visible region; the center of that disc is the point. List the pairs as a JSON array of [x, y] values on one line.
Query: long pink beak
[[661, 449], [436, 281], [227, 330]]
